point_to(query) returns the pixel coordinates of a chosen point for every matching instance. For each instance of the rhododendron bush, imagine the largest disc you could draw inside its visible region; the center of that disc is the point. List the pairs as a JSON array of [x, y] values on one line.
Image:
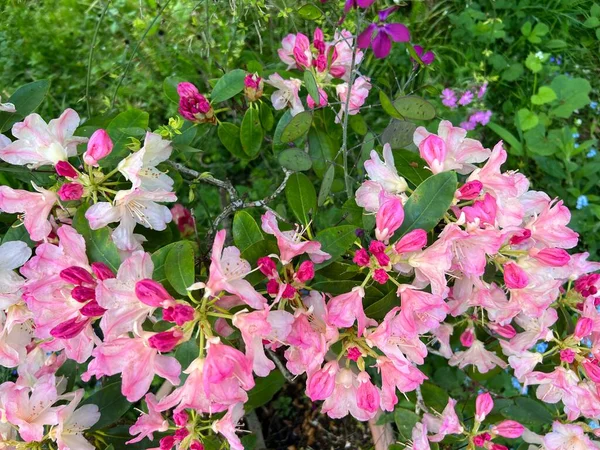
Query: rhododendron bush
[[401, 273]]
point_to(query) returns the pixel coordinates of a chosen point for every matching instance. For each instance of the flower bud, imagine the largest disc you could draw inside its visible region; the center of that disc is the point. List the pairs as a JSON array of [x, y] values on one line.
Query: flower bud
[[83, 294], [166, 443], [151, 293], [102, 271], [77, 276], [376, 247], [567, 355], [367, 395], [494, 446], [520, 237], [92, 309], [323, 100], [361, 257], [433, 150], [99, 146], [382, 259], [179, 314], [506, 331], [165, 341], [289, 291], [69, 329], [181, 434], [70, 191], [481, 439], [412, 242], [353, 353], [389, 217], [267, 266], [196, 446], [381, 276], [64, 169], [305, 272], [469, 191], [555, 257], [467, 337], [514, 276], [180, 418], [320, 385], [253, 87], [194, 106], [592, 370], [272, 287], [508, 429], [483, 406], [583, 328]]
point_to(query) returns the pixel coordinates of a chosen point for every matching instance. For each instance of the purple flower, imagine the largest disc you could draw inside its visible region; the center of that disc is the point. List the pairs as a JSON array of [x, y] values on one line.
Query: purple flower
[[449, 98], [466, 98], [482, 90], [468, 125], [357, 4], [380, 37], [427, 57]]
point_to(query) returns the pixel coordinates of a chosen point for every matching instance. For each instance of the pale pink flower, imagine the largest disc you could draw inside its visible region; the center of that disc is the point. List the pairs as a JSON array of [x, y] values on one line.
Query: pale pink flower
[[227, 426], [478, 356], [147, 424], [568, 436], [397, 374], [421, 311], [140, 167], [358, 95], [191, 394], [534, 329], [307, 345], [550, 229], [73, 422], [555, 386], [483, 406], [442, 336], [498, 183], [389, 217], [16, 332], [454, 150], [346, 395], [227, 272], [286, 94], [290, 243], [524, 363], [345, 309], [341, 60], [39, 143], [419, 438], [320, 384], [35, 206], [13, 254], [7, 107], [286, 52], [129, 208], [446, 423], [99, 146]]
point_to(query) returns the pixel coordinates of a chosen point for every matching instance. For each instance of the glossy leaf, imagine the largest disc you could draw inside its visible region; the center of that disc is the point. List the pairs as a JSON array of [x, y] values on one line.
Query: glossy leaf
[[301, 197], [251, 133], [170, 87], [245, 230], [111, 404], [311, 86], [99, 244], [266, 116], [295, 159], [326, 185], [336, 241], [229, 135], [179, 266], [398, 134], [230, 84], [26, 100], [405, 422], [321, 150], [381, 307], [410, 166], [264, 390], [297, 127], [415, 108]]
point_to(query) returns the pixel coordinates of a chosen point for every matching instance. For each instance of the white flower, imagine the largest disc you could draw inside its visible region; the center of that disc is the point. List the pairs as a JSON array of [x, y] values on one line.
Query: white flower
[[12, 255], [140, 167], [7, 107], [287, 93]]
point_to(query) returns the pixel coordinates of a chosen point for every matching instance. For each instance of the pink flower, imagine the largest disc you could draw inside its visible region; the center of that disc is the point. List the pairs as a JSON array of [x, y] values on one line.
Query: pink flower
[[39, 143], [514, 276], [449, 98], [478, 356], [483, 406], [321, 383], [290, 243], [508, 429], [550, 227], [253, 87], [482, 90], [554, 257], [147, 424], [129, 208], [352, 394], [380, 37], [433, 151], [286, 52], [179, 314], [140, 167], [323, 100], [341, 58], [467, 337], [191, 394], [73, 422], [70, 191], [568, 436], [358, 95], [583, 328], [413, 241], [466, 98], [7, 107], [524, 363], [165, 341], [350, 4], [421, 311], [305, 272], [400, 375], [347, 308], [427, 57], [447, 423], [227, 426], [99, 146], [307, 346], [389, 216], [36, 207], [64, 169], [152, 293], [194, 106], [286, 94], [482, 212], [227, 272], [419, 437]]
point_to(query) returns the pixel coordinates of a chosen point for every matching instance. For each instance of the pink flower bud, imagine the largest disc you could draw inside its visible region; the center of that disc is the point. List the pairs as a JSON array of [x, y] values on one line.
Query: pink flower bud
[[69, 329], [253, 87], [483, 406], [377, 247], [272, 287], [194, 106], [92, 309], [433, 150], [323, 99], [382, 259], [353, 353], [180, 418], [181, 434], [267, 266], [70, 191], [381, 276], [591, 370], [196, 446], [508, 429], [555, 257], [99, 146], [167, 443], [102, 271], [389, 217], [165, 341], [514, 276], [470, 190], [494, 446], [77, 275], [83, 294], [520, 237], [481, 439], [567, 355], [151, 293], [289, 291], [64, 169], [179, 314], [467, 337], [367, 395], [321, 383], [412, 242], [583, 328], [361, 257], [305, 272], [506, 331], [184, 219]]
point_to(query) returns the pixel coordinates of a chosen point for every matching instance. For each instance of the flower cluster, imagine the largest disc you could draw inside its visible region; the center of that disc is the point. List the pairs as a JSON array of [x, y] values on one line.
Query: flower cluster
[[453, 99]]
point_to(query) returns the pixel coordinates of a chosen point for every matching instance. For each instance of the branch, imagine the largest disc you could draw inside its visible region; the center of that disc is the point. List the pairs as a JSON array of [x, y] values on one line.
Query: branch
[[206, 177]]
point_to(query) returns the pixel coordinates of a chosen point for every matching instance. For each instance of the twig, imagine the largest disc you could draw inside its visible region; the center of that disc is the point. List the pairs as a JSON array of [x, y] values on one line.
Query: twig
[[206, 178], [91, 58], [420, 406], [286, 374]]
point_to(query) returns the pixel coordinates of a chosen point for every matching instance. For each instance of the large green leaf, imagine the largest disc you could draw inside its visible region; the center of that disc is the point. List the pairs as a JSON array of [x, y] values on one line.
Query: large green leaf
[[321, 150], [17, 232], [528, 412], [429, 202], [264, 390], [572, 94], [410, 166], [297, 127], [414, 108], [170, 87], [229, 135], [301, 196], [311, 86], [398, 134], [179, 266], [295, 159], [98, 243], [405, 421], [26, 99], [111, 404], [131, 123], [336, 241], [230, 84], [381, 307], [245, 230], [251, 133]]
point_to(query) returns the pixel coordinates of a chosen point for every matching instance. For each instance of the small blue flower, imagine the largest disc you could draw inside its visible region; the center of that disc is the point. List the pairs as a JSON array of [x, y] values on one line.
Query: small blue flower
[[593, 152], [516, 383], [541, 347], [575, 135], [593, 105], [582, 202], [587, 342], [576, 145], [593, 425]]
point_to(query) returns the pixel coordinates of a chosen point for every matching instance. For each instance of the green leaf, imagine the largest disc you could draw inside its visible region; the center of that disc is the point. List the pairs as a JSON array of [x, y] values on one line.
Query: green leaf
[[538, 143], [358, 124], [111, 404], [595, 10], [297, 127], [17, 232], [99, 244], [266, 116], [513, 72], [434, 396], [295, 159], [230, 84], [186, 353], [180, 266], [528, 412], [311, 86], [429, 202], [321, 150], [591, 22], [119, 130], [555, 44], [170, 87], [506, 136], [254, 67], [527, 119], [336, 241], [526, 29], [326, 185], [159, 258], [278, 143], [229, 135], [245, 230], [415, 108], [388, 107], [405, 422], [251, 133], [533, 63], [398, 134], [309, 12], [301, 196], [381, 307], [545, 95], [26, 100], [572, 94], [410, 166], [264, 390]]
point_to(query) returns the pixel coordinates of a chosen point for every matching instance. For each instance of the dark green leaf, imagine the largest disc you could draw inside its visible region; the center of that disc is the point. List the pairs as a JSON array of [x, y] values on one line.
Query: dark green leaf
[[266, 116], [301, 196], [245, 230], [388, 107], [398, 134], [230, 84], [311, 86], [264, 390], [179, 266], [528, 412], [170, 87], [99, 244], [405, 421], [278, 143], [434, 396], [187, 352], [326, 185], [321, 149], [229, 135], [26, 99], [295, 159], [336, 241], [251, 133], [117, 129], [297, 127], [410, 166], [111, 404], [415, 108], [18, 232], [381, 307]]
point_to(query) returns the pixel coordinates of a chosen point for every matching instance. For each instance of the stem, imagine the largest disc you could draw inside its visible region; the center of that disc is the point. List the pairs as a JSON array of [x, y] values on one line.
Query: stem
[[91, 58]]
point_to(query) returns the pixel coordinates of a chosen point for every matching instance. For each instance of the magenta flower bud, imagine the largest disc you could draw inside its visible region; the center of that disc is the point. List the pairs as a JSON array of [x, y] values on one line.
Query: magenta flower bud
[[92, 309], [514, 276], [77, 276], [555, 257], [508, 429], [483, 406], [179, 314], [166, 443], [567, 355], [165, 341], [412, 242], [70, 191], [583, 328], [323, 99], [520, 237], [272, 287], [289, 291], [180, 418], [305, 272], [506, 331], [69, 329], [353, 353], [591, 370], [376, 247], [181, 434], [151, 293], [361, 258], [196, 446], [481, 439], [99, 146], [382, 258], [389, 217], [102, 271], [83, 294], [194, 106], [320, 385], [380, 276], [467, 337], [253, 87], [64, 169], [267, 266], [470, 190]]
